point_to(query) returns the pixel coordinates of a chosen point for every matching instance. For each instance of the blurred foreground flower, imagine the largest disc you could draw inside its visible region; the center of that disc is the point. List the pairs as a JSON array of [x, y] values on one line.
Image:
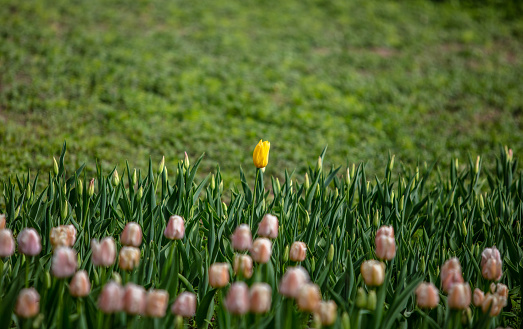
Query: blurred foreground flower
[[491, 264], [261, 250], [241, 239], [156, 303], [63, 236], [129, 258], [80, 285], [459, 296], [309, 297], [242, 264], [385, 243], [260, 298], [328, 312], [268, 227], [111, 298], [293, 279], [237, 300], [104, 252], [373, 272], [2, 221], [7, 243], [185, 305], [134, 299], [64, 262], [219, 275], [27, 303], [427, 295], [29, 242], [260, 156], [175, 229], [451, 274], [131, 235], [298, 251]]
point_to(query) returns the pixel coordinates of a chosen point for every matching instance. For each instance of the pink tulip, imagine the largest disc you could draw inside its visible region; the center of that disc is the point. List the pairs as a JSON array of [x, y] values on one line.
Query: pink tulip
[[64, 262], [309, 297], [134, 299], [260, 298], [237, 300], [7, 243], [175, 229], [28, 303], [63, 236], [185, 305], [451, 274], [241, 239], [499, 289], [2, 221], [129, 258], [243, 264], [261, 250], [80, 285], [131, 235], [111, 298], [427, 295], [29, 242], [373, 272], [492, 304], [478, 297], [328, 312], [156, 303], [293, 279], [491, 264], [268, 227], [385, 243], [219, 275], [459, 296], [298, 251], [103, 253]]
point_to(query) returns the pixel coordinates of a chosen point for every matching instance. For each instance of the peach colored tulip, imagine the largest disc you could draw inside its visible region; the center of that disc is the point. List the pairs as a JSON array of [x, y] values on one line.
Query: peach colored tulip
[[64, 262], [309, 298], [427, 295], [293, 279], [104, 252], [478, 297], [268, 227], [2, 221], [185, 305], [243, 264], [134, 299], [28, 303], [80, 285], [492, 304], [7, 243], [29, 242], [328, 312], [500, 289], [241, 239], [219, 275], [298, 251], [385, 243], [451, 274], [175, 229], [111, 298], [491, 264], [459, 296], [373, 272], [129, 258], [63, 236], [261, 250], [156, 303], [260, 298], [237, 299], [131, 235]]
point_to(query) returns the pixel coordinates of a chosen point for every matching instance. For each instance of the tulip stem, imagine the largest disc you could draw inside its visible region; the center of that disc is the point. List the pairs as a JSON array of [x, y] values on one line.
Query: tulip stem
[[254, 196], [26, 271], [1, 275]]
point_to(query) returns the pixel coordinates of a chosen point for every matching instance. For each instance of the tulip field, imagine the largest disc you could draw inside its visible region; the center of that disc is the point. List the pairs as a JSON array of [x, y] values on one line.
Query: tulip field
[[438, 247]]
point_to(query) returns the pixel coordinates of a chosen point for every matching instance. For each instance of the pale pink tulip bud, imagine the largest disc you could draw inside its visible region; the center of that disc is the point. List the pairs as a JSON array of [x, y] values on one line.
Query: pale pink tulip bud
[[134, 299], [385, 243], [129, 258], [63, 236], [309, 298], [237, 300], [241, 239], [491, 264], [298, 251], [500, 289], [156, 303], [243, 264], [185, 305], [492, 304], [131, 235], [373, 272], [478, 297], [64, 262], [293, 279], [268, 227], [7, 243], [175, 229], [80, 285], [459, 296], [261, 250], [111, 298], [328, 312], [29, 242], [219, 275], [2, 221], [104, 252], [260, 298], [451, 274], [427, 295], [27, 303]]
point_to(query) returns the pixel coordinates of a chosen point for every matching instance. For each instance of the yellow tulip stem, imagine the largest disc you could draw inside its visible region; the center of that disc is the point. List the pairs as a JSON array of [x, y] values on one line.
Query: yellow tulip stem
[[254, 196]]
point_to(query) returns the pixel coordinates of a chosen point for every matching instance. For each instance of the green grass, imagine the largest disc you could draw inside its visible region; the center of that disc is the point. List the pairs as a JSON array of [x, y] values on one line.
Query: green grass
[[131, 79]]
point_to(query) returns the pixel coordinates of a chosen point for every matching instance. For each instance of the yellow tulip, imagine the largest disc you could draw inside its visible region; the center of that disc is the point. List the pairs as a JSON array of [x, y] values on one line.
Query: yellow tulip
[[260, 156]]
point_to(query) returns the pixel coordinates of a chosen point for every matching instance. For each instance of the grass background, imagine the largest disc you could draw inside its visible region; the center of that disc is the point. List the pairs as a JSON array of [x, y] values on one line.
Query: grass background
[[131, 79]]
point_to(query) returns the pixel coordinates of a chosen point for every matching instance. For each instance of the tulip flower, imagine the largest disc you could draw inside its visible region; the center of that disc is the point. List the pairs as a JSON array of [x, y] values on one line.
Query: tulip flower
[[451, 274], [459, 296], [260, 298], [156, 303], [2, 221], [328, 312], [241, 239], [373, 273], [293, 279], [237, 299], [64, 262], [29, 242], [500, 289], [268, 227], [103, 253], [492, 304], [491, 264], [260, 156], [309, 297], [131, 235], [28, 303], [427, 295], [80, 285], [134, 299], [478, 297], [111, 298], [175, 229], [298, 251], [219, 275], [7, 243], [385, 243], [185, 305], [63, 236], [243, 264], [261, 250], [129, 258]]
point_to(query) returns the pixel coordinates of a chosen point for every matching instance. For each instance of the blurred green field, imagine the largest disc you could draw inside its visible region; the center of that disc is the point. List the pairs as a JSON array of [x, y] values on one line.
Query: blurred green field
[[125, 80]]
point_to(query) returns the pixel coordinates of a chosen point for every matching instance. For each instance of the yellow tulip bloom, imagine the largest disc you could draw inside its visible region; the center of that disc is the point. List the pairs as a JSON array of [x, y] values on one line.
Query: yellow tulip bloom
[[260, 156]]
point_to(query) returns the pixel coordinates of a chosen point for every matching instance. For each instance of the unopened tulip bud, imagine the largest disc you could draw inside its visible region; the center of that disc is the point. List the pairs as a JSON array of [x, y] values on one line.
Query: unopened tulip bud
[[139, 195], [111, 298], [241, 239], [298, 251], [307, 182], [491, 264], [103, 253], [347, 177], [392, 195], [186, 161], [185, 305], [116, 277], [338, 232], [134, 299], [451, 274], [243, 264], [2, 221], [427, 295], [29, 242], [129, 258], [286, 254], [47, 280], [464, 228], [261, 250], [308, 298], [156, 303], [320, 164], [391, 162], [17, 211], [64, 262], [220, 187], [219, 275], [63, 236], [318, 193], [278, 186], [134, 178], [478, 297], [175, 229], [90, 189], [161, 165], [28, 303], [328, 312], [65, 210], [268, 227], [293, 279], [131, 235], [376, 221], [55, 166], [466, 316], [371, 300], [115, 179], [313, 264], [307, 218], [361, 298], [237, 299], [224, 207], [260, 298], [330, 255], [336, 193], [459, 296], [345, 321], [476, 167], [28, 192], [373, 273], [80, 286]]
